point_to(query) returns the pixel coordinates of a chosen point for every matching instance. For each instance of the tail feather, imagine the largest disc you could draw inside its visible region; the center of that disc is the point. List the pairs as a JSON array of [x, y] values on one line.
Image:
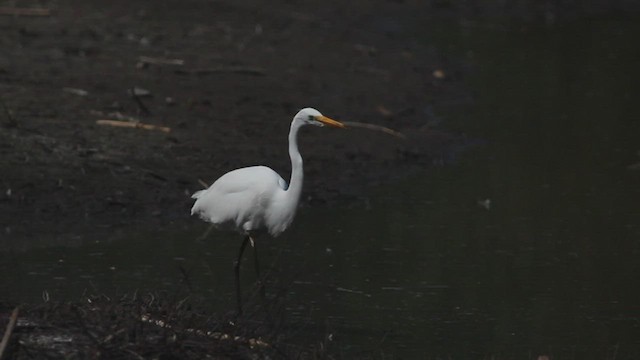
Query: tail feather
[[197, 194]]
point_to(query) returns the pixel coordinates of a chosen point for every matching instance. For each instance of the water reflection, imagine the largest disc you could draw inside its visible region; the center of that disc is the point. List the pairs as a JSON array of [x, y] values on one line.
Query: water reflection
[[427, 269], [550, 266]]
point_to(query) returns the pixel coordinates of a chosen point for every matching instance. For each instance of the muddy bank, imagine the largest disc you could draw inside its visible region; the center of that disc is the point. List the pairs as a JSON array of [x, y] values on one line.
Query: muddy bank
[[226, 79], [226, 85], [145, 327]]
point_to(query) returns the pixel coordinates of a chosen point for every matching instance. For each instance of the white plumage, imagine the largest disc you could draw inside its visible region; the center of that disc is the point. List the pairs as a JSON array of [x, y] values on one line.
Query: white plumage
[[256, 198], [243, 199]]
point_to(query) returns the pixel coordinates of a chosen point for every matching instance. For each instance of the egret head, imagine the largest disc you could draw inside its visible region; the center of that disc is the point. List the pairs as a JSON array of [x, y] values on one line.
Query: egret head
[[312, 116]]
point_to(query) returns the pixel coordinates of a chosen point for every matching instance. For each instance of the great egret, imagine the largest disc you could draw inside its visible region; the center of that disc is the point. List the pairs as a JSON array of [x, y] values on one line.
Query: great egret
[[253, 199]]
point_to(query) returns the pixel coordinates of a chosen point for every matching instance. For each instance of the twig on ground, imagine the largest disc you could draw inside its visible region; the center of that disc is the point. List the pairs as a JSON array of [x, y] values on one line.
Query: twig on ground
[[247, 70], [137, 125], [134, 354], [136, 97], [75, 91], [375, 127], [352, 291], [7, 333], [24, 11], [12, 121], [205, 234], [115, 115], [160, 61]]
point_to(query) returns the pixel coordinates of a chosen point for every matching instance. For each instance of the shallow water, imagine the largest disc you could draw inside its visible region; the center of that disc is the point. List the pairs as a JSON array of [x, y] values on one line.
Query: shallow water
[[525, 245]]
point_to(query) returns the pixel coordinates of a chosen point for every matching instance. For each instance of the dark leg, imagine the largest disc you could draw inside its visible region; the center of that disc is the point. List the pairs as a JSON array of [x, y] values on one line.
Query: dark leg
[[237, 271], [263, 295], [257, 265]]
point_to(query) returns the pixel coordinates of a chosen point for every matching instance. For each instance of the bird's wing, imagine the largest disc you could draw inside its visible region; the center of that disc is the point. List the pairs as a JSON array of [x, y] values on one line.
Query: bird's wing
[[253, 178], [242, 191]]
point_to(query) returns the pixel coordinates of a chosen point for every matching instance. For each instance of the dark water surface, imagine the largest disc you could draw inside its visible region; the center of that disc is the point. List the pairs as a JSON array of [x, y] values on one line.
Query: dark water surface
[[526, 245]]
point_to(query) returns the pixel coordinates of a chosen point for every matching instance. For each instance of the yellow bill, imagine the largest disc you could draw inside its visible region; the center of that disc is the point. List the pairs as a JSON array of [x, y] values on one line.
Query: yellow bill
[[328, 121]]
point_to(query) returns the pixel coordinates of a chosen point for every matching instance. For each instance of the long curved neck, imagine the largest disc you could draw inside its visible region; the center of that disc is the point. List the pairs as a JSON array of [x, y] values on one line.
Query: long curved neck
[[295, 184], [286, 202]]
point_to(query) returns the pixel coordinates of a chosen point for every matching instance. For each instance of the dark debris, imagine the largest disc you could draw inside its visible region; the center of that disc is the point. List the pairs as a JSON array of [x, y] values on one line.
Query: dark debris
[[143, 327]]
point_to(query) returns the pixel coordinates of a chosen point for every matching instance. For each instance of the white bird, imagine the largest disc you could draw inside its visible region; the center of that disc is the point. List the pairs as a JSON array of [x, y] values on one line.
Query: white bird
[[253, 199]]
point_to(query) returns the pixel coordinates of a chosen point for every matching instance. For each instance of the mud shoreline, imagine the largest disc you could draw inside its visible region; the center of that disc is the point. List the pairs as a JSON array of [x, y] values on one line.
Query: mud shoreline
[[227, 86], [226, 79]]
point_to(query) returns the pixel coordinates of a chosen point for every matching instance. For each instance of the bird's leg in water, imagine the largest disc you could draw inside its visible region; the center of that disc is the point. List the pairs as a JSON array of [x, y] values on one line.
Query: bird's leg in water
[[263, 295], [237, 270], [257, 265]]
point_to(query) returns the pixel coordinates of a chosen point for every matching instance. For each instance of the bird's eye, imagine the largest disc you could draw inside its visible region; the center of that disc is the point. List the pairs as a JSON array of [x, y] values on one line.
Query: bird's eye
[[312, 118]]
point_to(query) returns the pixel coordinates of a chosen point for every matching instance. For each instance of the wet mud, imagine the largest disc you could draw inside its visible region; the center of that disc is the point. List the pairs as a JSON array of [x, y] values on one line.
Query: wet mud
[[225, 78]]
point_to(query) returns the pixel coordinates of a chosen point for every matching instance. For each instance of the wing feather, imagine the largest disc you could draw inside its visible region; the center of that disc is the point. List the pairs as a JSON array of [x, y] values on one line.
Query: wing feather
[[239, 198]]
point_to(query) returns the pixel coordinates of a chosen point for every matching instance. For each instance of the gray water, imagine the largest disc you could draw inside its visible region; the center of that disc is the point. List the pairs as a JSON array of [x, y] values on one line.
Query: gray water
[[525, 245]]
